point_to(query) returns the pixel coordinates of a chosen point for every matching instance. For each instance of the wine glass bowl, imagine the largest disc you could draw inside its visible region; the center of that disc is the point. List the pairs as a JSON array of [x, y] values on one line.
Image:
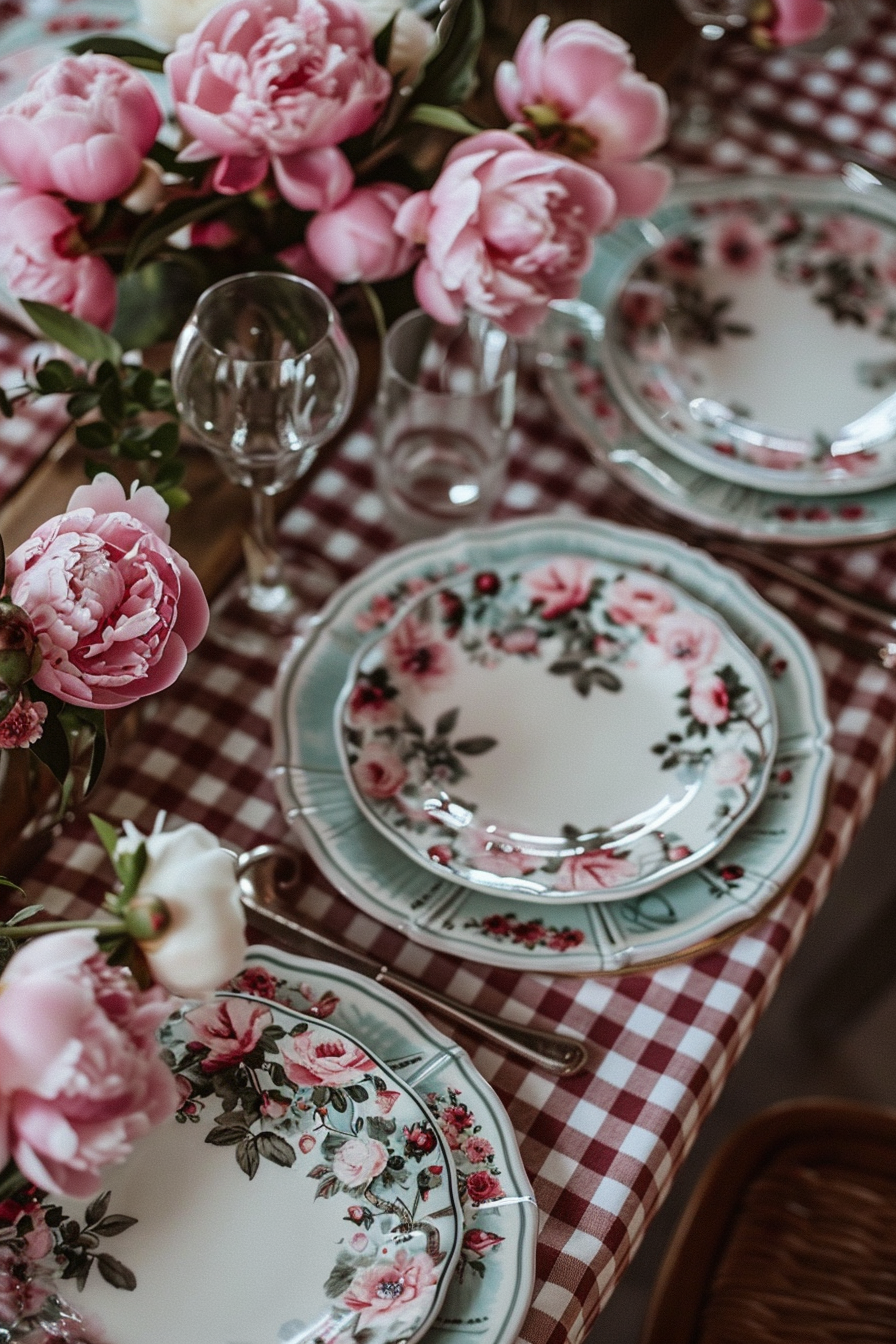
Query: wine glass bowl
[[263, 375]]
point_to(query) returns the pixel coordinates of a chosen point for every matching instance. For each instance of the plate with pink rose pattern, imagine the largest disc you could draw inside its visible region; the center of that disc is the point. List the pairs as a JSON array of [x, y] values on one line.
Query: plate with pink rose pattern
[[751, 332], [534, 936], [303, 1191], [572, 729]]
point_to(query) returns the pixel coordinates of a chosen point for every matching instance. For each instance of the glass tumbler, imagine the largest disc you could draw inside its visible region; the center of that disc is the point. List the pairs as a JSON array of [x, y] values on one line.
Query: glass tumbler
[[443, 413]]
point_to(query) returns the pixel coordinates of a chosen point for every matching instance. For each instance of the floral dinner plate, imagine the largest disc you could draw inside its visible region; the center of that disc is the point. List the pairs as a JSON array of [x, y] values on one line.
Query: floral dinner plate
[[574, 729], [754, 335], [497, 929], [303, 1191]]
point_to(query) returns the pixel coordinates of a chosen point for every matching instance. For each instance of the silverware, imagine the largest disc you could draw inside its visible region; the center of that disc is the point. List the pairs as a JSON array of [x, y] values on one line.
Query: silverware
[[270, 878]]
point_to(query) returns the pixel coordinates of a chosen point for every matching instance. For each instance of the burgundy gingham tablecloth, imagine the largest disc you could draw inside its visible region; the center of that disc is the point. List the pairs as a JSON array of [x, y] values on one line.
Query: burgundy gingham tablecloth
[[601, 1150]]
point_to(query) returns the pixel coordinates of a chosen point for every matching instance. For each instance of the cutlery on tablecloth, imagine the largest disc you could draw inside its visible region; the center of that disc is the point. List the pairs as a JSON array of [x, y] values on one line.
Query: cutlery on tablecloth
[[266, 900]]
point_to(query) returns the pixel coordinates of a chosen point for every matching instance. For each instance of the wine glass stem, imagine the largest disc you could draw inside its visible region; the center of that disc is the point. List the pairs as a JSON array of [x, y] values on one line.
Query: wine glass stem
[[267, 577]]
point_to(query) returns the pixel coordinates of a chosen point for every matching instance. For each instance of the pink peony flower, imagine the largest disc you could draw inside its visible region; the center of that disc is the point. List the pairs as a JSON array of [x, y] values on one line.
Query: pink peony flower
[[577, 92], [408, 1281], [358, 1161], [477, 1242], [229, 1028], [689, 639], [81, 128], [506, 230], [641, 601], [595, 869], [23, 725], [115, 609], [417, 655], [378, 771], [708, 700], [279, 84], [792, 21], [43, 257], [81, 1075], [731, 768], [318, 1058], [560, 585], [356, 239]]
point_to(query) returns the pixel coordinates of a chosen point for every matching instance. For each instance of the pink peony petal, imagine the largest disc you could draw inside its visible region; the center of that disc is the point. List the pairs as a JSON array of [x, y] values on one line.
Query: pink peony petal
[[237, 173], [639, 187], [315, 179]]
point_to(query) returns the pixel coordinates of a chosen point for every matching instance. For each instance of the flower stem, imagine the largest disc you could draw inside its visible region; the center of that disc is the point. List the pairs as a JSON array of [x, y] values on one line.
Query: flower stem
[[11, 1180], [19, 932]]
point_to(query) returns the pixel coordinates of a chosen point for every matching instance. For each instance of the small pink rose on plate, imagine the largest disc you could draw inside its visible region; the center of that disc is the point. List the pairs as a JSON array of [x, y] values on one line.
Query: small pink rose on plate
[[358, 1161], [560, 585], [391, 1287], [229, 1029], [689, 639], [379, 772]]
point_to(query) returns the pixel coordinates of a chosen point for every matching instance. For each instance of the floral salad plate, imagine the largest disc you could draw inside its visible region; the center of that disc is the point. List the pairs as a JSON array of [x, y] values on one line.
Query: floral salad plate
[[751, 331], [499, 929], [304, 1191], [571, 361], [575, 729]]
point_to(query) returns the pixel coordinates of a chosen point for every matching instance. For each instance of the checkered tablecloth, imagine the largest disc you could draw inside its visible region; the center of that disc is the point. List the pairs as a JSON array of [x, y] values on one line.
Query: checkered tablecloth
[[601, 1150]]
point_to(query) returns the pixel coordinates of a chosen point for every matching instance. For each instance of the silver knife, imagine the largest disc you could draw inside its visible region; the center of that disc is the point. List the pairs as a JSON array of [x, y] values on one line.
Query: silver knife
[[270, 879]]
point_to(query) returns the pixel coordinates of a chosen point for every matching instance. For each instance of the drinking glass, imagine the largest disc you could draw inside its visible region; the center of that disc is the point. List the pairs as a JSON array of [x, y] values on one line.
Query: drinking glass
[[263, 374], [443, 412]]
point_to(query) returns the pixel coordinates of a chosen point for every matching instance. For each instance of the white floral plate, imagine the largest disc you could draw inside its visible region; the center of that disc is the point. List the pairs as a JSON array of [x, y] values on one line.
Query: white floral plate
[[569, 730], [751, 331], [302, 1191], [374, 874], [572, 374]]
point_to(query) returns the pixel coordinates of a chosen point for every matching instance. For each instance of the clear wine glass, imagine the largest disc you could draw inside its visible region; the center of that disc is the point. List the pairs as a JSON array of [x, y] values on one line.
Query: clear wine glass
[[263, 375]]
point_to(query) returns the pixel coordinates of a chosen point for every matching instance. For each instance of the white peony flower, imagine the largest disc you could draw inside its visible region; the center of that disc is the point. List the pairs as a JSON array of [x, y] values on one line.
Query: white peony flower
[[203, 945]]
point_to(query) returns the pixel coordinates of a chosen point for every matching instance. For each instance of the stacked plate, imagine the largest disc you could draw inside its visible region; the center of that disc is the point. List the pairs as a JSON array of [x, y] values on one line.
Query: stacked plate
[[554, 744], [736, 359], [339, 1171]]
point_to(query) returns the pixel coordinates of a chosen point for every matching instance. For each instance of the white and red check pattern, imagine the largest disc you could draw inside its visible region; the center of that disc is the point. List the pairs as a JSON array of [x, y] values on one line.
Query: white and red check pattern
[[601, 1150]]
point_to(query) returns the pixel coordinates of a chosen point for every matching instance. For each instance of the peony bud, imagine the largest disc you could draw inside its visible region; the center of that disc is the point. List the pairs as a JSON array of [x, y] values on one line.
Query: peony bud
[[147, 918], [20, 655]]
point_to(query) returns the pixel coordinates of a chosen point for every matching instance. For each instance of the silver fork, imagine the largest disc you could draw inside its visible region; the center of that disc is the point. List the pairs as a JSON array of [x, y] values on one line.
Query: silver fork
[[878, 644], [271, 880]]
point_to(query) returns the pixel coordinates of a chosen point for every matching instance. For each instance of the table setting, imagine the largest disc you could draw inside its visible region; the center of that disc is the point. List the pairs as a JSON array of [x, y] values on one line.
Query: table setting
[[529, 736]]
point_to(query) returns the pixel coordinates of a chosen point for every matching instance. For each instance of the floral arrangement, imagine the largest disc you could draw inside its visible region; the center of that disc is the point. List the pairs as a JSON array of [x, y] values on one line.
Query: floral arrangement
[[97, 611], [320, 137], [83, 1075]]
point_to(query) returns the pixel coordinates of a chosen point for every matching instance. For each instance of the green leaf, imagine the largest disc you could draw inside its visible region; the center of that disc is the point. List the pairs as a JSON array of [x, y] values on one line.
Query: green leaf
[[247, 1155], [450, 72], [383, 42], [338, 1101], [55, 376], [130, 867], [357, 1092], [20, 915], [475, 746], [52, 748], [126, 49], [157, 229], [81, 403], [176, 498], [114, 1226], [82, 338], [154, 300], [98, 1209], [112, 401], [165, 440], [446, 118], [378, 1127], [446, 722], [107, 833], [114, 1272], [224, 1138], [275, 1149], [95, 436]]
